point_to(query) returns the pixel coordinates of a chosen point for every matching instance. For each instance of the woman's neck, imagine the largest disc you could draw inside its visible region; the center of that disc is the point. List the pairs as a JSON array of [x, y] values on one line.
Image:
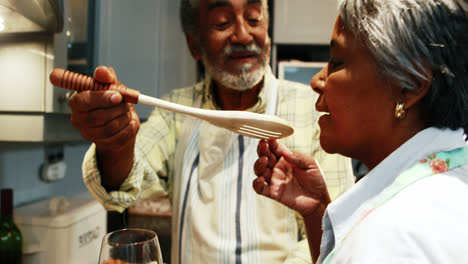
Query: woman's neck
[[407, 129]]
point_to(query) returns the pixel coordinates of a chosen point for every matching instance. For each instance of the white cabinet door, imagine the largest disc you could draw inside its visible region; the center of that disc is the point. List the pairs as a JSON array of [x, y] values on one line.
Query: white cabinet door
[[23, 76], [143, 42], [304, 21], [31, 108], [28, 55]]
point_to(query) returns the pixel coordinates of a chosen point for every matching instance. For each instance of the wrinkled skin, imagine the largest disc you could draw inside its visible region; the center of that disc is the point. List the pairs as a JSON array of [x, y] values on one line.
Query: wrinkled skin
[[102, 117], [290, 178], [112, 124]]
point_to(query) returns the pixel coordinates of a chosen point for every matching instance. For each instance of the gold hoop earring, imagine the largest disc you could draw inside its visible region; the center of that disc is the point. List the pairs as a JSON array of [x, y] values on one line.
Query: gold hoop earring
[[400, 111]]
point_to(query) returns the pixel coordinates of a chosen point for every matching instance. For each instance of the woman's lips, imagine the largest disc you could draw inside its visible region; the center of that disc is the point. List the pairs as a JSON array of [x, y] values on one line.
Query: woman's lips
[[323, 119]]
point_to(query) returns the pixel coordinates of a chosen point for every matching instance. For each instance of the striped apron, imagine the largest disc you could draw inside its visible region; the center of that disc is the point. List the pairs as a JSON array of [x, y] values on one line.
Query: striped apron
[[217, 217]]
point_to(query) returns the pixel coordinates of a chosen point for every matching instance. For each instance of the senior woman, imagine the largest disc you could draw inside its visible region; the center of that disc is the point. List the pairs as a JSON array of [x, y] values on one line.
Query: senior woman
[[395, 96]]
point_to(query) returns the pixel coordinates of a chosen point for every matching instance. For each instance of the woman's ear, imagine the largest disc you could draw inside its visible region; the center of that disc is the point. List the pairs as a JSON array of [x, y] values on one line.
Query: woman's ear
[[193, 46], [412, 97]]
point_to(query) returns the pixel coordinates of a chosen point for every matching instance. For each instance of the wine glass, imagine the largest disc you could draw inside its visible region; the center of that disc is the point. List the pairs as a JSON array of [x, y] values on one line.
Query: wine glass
[[130, 245]]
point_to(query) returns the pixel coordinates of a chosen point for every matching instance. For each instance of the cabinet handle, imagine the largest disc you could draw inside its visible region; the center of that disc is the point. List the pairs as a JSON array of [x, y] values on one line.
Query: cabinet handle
[[79, 82]]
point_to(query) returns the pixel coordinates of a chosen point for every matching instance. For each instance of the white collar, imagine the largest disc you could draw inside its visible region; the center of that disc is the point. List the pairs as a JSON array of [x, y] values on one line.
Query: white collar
[[350, 207]]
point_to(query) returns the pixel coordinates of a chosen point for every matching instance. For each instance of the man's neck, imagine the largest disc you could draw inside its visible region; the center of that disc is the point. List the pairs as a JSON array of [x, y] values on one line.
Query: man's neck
[[229, 99]]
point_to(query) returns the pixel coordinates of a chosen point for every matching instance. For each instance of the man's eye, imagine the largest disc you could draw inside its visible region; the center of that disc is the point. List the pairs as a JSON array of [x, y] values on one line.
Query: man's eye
[[254, 21], [222, 25]]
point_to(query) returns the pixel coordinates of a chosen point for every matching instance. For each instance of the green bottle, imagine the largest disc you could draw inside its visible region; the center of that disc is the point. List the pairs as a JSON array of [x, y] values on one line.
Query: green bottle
[[10, 236]]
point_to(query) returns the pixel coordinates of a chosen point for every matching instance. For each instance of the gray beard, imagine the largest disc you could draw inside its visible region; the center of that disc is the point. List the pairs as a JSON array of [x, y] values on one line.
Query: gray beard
[[239, 82]]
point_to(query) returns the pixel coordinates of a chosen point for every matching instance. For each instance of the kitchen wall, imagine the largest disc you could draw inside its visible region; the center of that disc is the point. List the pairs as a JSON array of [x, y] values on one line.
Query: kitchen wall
[[20, 165], [129, 38]]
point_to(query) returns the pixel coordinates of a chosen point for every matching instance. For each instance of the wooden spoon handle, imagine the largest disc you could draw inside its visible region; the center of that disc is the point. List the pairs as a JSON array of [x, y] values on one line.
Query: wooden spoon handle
[[79, 82]]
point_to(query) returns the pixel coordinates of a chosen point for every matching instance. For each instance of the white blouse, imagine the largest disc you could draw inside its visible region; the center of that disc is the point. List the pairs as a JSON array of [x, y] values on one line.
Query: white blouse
[[424, 223]]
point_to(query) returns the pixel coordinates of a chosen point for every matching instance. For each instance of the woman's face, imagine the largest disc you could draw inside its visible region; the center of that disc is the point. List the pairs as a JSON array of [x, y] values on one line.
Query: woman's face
[[358, 104]]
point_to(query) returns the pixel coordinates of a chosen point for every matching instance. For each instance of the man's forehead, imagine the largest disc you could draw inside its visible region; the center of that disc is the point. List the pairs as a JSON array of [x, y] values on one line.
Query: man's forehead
[[219, 3]]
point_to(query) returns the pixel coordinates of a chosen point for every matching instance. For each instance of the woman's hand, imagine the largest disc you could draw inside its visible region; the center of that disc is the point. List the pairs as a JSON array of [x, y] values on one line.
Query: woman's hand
[[290, 178]]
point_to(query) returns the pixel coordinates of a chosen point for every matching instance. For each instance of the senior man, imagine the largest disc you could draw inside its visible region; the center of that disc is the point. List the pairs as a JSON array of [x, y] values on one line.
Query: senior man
[[207, 171]]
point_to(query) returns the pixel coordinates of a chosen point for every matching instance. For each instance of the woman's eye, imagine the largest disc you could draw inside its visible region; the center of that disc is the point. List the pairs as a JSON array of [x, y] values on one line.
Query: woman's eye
[[334, 63]]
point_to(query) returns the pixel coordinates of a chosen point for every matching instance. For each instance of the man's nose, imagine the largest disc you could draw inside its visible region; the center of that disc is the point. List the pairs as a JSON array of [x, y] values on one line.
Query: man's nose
[[241, 33]]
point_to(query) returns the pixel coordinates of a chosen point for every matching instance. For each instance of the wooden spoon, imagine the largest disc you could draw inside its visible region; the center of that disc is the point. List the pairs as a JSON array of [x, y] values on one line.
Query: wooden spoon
[[242, 122]]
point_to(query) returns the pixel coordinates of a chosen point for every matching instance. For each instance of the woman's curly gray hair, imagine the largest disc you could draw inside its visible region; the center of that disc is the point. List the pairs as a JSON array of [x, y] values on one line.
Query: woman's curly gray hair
[[414, 40]]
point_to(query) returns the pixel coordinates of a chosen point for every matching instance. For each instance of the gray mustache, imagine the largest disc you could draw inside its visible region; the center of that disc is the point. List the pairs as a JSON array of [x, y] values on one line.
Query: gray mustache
[[251, 47]]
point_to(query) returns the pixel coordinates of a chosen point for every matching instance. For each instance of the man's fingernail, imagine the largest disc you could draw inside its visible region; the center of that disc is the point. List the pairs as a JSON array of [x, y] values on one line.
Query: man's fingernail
[[116, 98]]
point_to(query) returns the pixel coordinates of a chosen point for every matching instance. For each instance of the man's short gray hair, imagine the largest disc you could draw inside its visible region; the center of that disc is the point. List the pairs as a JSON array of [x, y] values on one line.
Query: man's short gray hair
[[412, 39], [188, 15], [189, 12]]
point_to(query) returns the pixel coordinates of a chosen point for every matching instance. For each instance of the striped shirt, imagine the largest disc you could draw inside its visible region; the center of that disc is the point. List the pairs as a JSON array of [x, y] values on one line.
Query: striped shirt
[[207, 172]]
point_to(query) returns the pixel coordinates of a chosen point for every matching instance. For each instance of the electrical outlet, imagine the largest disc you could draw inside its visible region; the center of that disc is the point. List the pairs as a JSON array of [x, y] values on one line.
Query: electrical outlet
[[54, 168], [53, 171]]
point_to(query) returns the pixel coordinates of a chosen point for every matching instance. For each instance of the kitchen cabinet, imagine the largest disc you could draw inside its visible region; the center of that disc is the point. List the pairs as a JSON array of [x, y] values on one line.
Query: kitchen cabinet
[[145, 45], [302, 30], [304, 21], [143, 42], [33, 41]]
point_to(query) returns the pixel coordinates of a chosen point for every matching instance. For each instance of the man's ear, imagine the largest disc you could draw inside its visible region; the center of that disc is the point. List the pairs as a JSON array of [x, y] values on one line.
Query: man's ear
[[193, 46]]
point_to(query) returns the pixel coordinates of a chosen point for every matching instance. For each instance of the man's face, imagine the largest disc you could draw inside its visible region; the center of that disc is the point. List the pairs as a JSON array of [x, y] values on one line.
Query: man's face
[[234, 41]]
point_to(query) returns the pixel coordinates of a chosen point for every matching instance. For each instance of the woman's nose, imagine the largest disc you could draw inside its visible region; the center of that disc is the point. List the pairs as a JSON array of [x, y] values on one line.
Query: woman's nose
[[318, 81]]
